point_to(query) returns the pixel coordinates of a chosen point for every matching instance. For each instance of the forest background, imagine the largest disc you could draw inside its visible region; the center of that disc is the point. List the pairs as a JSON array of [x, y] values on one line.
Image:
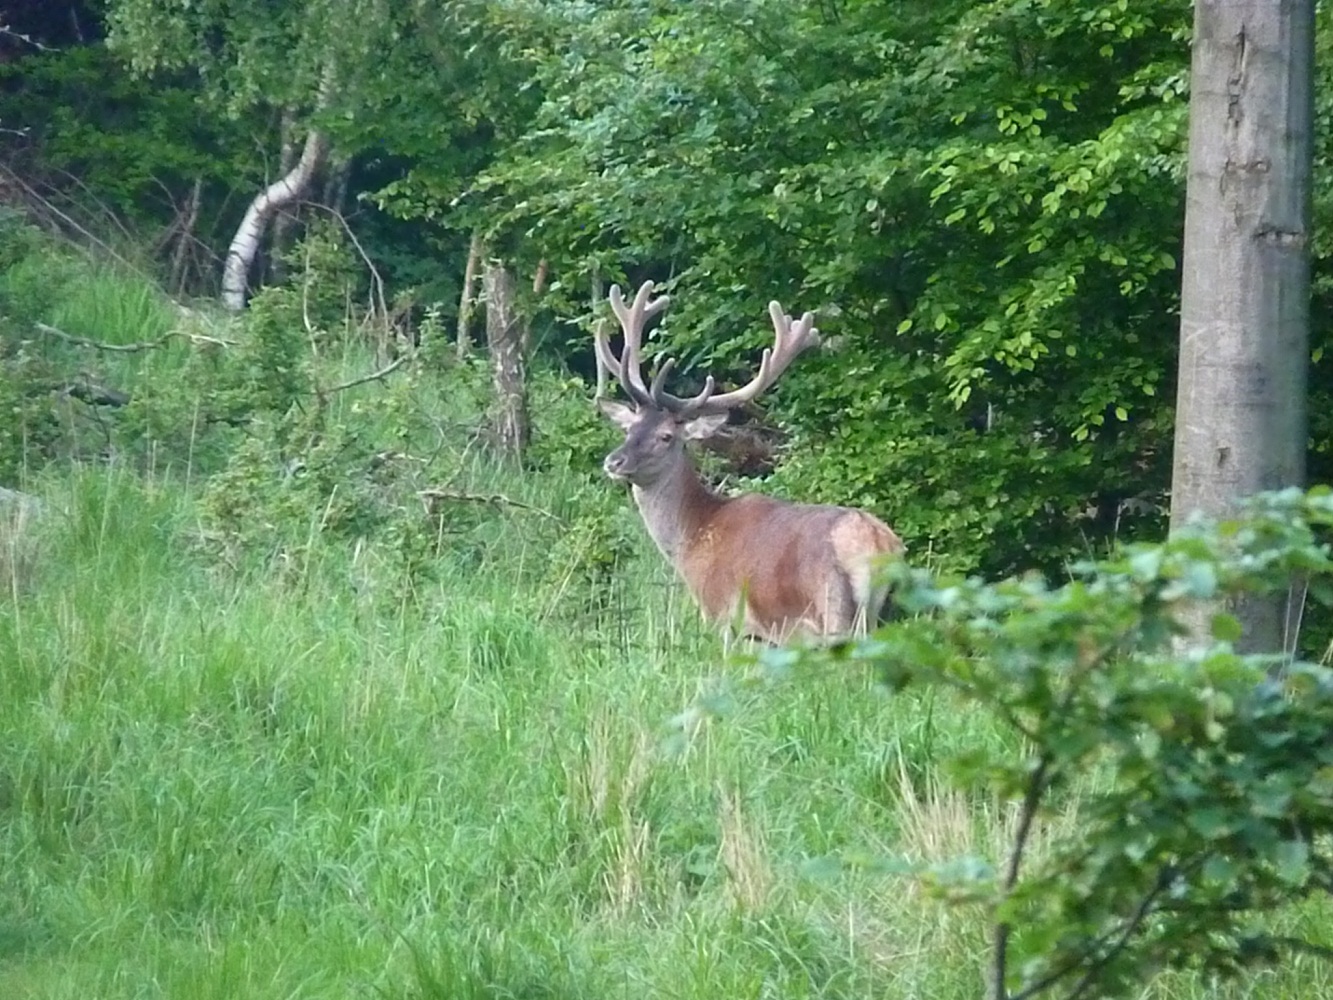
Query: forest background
[[329, 570], [982, 202]]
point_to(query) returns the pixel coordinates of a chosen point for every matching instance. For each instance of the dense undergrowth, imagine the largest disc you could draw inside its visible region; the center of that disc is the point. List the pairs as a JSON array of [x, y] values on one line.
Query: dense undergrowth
[[275, 724]]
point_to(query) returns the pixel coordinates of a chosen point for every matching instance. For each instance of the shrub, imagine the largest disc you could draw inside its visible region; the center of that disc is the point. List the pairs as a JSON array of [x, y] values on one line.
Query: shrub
[[1205, 778]]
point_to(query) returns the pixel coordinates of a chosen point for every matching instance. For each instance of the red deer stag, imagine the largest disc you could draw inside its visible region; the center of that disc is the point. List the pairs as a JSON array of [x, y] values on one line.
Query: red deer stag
[[777, 569]]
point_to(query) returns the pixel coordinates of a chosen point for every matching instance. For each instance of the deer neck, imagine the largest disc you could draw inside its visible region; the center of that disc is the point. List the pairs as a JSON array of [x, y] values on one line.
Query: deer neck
[[675, 507]]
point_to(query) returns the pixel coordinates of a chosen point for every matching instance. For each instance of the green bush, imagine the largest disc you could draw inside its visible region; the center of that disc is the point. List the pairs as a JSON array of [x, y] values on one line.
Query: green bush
[[1166, 805]]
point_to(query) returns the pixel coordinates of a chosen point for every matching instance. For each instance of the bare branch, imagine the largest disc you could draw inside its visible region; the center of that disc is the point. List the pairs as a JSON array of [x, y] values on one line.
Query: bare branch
[[377, 281], [38, 199], [440, 493], [372, 377], [9, 32], [93, 394], [146, 345], [1037, 786]]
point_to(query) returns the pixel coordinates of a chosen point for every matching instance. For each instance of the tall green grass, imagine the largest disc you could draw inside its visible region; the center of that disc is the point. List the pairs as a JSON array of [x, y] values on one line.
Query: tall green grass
[[253, 784]]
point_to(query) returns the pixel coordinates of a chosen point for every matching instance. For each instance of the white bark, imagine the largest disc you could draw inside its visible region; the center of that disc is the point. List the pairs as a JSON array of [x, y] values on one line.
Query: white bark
[[250, 233], [1245, 297]]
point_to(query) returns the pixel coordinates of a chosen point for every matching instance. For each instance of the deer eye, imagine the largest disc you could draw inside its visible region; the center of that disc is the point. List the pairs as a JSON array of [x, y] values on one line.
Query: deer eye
[[665, 436]]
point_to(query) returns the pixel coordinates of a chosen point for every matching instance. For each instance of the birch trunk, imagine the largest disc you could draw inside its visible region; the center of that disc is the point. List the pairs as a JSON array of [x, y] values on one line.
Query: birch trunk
[[1245, 297], [250, 233], [504, 340]]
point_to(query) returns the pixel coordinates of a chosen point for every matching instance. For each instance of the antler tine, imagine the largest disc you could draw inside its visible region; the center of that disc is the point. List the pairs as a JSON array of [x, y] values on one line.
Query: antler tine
[[631, 320], [665, 401], [791, 338]]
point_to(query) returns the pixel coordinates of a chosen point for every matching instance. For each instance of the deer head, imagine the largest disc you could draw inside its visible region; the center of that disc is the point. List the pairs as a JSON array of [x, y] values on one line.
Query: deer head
[[658, 424]]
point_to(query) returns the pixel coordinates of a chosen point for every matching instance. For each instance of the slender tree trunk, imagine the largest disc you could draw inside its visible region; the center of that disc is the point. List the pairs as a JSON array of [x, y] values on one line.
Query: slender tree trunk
[[1245, 299], [538, 286], [598, 297], [335, 186], [467, 300], [278, 195], [504, 340], [283, 221], [180, 256]]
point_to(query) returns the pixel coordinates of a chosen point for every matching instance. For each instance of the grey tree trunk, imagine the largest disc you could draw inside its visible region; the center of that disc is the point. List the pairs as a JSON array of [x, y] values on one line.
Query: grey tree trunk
[[280, 240], [1245, 297], [467, 299], [180, 256], [505, 337]]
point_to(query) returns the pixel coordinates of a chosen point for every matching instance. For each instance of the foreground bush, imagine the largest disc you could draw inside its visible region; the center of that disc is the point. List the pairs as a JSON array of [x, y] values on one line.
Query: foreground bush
[[1169, 809]]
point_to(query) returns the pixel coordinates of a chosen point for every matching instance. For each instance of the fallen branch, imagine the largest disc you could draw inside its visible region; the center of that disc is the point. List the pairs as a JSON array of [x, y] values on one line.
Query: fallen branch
[[93, 394], [372, 377], [6, 30], [146, 345], [495, 499]]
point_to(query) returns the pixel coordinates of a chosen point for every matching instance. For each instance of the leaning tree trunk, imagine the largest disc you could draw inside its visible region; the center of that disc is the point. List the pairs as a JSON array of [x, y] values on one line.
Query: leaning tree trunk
[[504, 339], [1245, 298], [270, 201]]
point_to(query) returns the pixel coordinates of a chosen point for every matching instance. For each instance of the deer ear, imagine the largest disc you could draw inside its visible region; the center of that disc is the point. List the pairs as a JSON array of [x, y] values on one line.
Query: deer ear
[[618, 413], [702, 427]]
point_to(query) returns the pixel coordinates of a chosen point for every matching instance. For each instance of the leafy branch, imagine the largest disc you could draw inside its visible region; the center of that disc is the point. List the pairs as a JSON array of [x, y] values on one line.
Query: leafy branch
[[1200, 784]]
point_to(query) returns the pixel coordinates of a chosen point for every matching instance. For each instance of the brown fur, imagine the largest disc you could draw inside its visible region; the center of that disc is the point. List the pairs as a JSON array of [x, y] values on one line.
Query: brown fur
[[784, 568]]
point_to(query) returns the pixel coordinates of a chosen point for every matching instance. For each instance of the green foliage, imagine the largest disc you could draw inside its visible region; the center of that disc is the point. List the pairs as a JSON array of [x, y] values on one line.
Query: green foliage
[[324, 270], [984, 192], [570, 433], [127, 141], [49, 292], [29, 426], [982, 200], [1166, 805], [128, 153]]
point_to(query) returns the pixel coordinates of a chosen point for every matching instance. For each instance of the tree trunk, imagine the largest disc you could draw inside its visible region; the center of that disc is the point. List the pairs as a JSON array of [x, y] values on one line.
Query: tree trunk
[[467, 300], [598, 298], [504, 340], [1245, 298], [335, 186], [180, 256], [278, 195], [283, 222]]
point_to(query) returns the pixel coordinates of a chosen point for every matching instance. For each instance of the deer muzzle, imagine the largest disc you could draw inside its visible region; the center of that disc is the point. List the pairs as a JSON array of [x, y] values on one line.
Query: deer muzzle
[[614, 465]]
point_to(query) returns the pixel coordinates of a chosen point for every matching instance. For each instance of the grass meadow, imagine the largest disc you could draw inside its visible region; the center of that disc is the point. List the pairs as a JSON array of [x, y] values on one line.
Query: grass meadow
[[264, 785], [296, 777], [242, 786]]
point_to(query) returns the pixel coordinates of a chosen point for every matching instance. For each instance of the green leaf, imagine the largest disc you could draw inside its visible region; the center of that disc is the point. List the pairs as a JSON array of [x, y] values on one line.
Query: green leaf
[[1225, 627], [1211, 822], [1291, 858]]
